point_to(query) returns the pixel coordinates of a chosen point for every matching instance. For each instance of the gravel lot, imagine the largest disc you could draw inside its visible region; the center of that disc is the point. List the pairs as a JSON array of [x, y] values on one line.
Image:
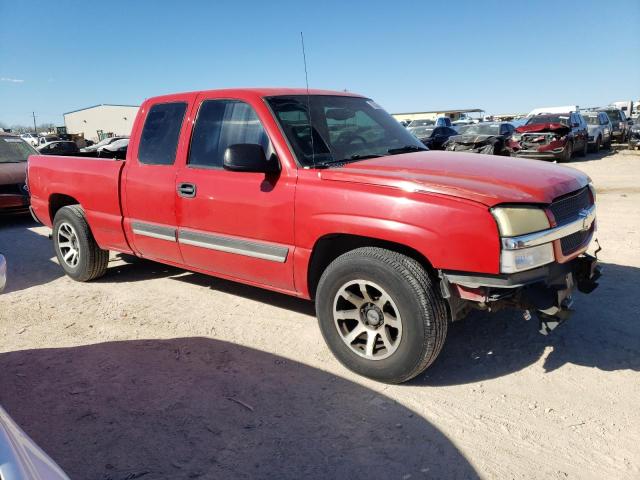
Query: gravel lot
[[153, 372]]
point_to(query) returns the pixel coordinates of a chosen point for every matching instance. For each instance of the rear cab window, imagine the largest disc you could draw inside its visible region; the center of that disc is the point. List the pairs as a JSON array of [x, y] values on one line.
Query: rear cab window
[[160, 134]]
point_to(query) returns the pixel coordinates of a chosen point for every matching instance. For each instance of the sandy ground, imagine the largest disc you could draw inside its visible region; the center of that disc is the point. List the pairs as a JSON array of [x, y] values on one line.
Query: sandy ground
[[156, 373]]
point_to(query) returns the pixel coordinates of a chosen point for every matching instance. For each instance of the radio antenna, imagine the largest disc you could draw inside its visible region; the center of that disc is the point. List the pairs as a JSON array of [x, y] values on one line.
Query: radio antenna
[[306, 79]]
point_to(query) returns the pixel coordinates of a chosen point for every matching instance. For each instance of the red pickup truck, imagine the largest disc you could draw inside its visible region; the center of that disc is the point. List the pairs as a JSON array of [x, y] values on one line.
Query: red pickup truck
[[323, 195]]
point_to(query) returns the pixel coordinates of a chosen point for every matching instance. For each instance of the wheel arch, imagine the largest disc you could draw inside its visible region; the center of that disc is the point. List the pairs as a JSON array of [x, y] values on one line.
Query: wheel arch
[[59, 200], [330, 246]]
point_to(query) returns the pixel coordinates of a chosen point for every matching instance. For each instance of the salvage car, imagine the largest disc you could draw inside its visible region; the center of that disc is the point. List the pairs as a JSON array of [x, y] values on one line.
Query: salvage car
[[619, 124], [21, 458], [551, 136], [30, 138], [3, 273], [117, 149], [60, 147], [634, 135], [14, 151], [434, 137], [599, 128], [490, 138], [392, 241], [102, 143]]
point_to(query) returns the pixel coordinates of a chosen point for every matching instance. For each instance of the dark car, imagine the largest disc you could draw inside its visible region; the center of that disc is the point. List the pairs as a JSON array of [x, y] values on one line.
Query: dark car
[[434, 137], [488, 138], [634, 134], [551, 136], [619, 124], [61, 147], [14, 151]]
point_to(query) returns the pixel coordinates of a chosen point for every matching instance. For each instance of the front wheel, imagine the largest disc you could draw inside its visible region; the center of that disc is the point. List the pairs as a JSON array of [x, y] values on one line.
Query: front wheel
[[380, 314], [78, 253], [567, 153]]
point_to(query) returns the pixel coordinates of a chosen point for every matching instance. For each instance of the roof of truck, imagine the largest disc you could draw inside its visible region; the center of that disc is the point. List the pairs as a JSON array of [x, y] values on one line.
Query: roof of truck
[[265, 92]]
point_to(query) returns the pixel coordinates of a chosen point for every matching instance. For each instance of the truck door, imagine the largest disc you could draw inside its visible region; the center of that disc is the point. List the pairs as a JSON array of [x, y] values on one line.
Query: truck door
[[149, 198], [234, 224]]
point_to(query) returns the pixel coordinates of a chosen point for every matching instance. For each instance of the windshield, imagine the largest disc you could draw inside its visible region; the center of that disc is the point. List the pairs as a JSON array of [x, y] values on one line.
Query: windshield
[[614, 115], [592, 119], [344, 128], [563, 119], [14, 150], [422, 131], [480, 129]]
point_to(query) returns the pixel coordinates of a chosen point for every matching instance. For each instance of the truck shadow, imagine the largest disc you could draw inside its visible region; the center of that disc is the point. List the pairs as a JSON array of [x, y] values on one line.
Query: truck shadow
[[202, 408], [603, 333], [29, 254]]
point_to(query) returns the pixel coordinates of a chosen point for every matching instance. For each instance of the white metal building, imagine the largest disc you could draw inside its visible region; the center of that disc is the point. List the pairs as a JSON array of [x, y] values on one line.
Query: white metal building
[[101, 120]]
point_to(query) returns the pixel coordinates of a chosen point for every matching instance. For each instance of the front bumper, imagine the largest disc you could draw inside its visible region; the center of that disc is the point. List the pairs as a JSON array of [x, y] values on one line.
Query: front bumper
[[535, 154], [546, 290]]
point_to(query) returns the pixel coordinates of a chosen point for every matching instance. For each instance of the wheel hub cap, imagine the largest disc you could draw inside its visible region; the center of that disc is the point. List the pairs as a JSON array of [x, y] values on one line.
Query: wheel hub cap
[[367, 319], [68, 245]]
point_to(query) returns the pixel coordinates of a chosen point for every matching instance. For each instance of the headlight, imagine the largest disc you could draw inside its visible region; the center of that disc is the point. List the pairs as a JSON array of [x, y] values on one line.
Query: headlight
[[512, 261], [513, 221]]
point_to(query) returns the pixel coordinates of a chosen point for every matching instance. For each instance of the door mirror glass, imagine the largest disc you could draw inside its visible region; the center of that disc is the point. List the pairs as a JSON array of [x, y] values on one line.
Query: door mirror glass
[[249, 157]]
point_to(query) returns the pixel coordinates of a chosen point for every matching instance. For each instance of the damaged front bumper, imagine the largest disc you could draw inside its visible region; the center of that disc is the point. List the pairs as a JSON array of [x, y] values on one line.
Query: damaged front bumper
[[546, 291]]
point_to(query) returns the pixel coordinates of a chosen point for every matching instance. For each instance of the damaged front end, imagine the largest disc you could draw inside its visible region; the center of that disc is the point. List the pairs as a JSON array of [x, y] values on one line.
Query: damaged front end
[[541, 140], [485, 144], [546, 292], [542, 260]]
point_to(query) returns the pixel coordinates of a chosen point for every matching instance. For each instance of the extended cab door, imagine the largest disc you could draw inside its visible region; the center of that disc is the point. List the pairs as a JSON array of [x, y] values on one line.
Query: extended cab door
[[149, 179], [235, 224]]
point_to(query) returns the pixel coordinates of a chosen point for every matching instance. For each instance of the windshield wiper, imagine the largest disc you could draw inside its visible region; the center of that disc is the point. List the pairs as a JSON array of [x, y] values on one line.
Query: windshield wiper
[[352, 158], [406, 149]]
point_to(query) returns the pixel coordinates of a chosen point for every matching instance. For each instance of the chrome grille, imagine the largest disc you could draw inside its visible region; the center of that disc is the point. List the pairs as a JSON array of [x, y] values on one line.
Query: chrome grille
[[567, 208]]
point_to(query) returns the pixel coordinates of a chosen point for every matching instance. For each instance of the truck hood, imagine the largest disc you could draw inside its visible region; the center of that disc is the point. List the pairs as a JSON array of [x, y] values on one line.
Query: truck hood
[[558, 128], [11, 173], [485, 179]]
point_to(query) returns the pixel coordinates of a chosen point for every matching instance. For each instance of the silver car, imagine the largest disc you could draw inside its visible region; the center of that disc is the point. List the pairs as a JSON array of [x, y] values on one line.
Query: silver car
[[3, 273], [600, 130]]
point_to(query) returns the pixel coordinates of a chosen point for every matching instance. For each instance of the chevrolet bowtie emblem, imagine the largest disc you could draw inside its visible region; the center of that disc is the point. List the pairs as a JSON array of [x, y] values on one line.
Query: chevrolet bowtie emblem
[[584, 215]]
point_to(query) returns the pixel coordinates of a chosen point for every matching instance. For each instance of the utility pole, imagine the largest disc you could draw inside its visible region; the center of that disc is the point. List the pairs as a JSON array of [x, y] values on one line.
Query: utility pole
[[35, 129]]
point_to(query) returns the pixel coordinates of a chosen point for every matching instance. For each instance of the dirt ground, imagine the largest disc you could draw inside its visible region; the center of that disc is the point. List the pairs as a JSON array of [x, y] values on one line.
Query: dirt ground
[[156, 373]]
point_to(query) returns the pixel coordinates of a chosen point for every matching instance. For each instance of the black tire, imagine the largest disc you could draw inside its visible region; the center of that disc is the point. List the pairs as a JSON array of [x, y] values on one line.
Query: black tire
[[597, 145], [585, 149], [567, 153], [423, 313], [91, 261]]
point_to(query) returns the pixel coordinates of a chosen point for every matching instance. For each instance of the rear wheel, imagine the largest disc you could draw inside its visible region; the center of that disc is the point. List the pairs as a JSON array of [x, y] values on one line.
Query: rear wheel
[[78, 253], [380, 314]]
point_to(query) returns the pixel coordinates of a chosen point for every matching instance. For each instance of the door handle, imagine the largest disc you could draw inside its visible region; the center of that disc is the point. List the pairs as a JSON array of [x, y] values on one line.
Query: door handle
[[187, 190]]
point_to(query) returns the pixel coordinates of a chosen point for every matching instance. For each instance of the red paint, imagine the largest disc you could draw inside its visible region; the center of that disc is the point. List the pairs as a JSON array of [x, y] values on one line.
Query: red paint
[[436, 203]]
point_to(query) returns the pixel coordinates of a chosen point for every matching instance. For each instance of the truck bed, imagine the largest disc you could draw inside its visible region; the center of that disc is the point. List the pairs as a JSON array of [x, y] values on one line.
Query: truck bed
[[92, 182]]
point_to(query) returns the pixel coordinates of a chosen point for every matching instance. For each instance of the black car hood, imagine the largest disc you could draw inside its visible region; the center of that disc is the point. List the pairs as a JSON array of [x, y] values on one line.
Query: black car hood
[[473, 139]]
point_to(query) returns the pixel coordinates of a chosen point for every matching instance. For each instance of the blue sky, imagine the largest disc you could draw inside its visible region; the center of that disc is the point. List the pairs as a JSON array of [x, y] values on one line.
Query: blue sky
[[498, 55]]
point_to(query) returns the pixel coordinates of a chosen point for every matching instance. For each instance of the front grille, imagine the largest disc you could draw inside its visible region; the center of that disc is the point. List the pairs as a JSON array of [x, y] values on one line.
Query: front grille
[[566, 209], [13, 189], [574, 241]]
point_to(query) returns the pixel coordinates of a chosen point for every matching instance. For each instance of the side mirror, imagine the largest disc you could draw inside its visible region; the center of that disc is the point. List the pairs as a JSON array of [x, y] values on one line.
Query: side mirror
[[249, 157]]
